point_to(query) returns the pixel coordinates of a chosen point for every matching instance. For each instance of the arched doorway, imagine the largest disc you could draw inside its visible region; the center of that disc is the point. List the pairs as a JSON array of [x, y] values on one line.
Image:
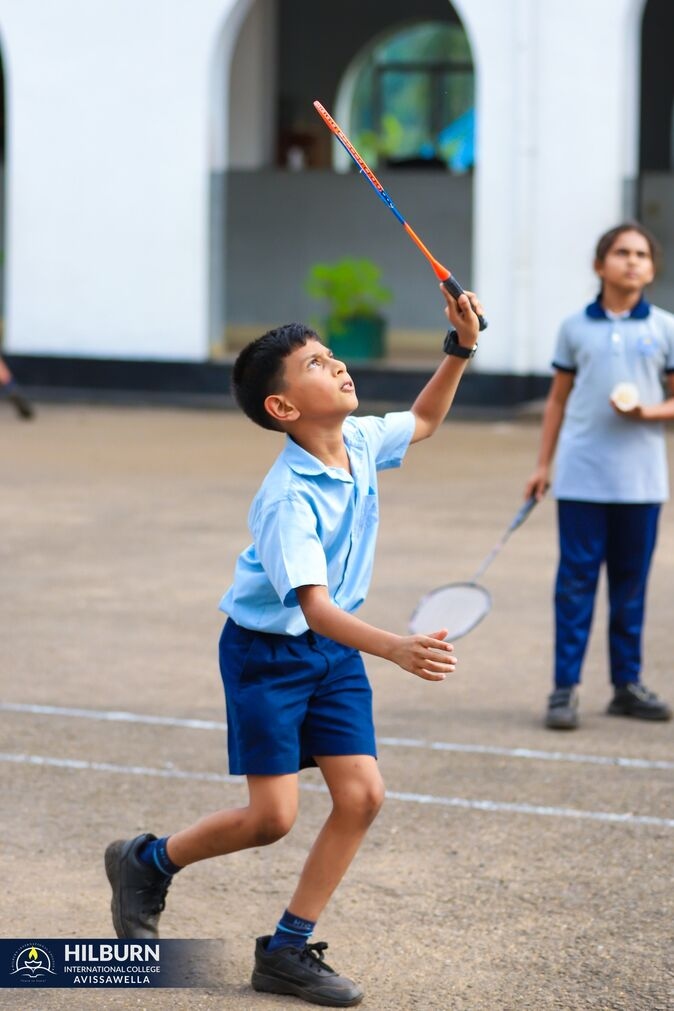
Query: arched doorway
[[278, 206], [408, 99], [656, 142]]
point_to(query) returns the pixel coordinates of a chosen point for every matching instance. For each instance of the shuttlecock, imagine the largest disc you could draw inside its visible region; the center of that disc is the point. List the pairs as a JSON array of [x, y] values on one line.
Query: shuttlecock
[[625, 396]]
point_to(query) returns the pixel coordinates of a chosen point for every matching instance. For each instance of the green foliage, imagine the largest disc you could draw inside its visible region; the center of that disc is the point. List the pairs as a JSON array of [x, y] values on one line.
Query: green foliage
[[374, 146], [350, 288], [422, 78]]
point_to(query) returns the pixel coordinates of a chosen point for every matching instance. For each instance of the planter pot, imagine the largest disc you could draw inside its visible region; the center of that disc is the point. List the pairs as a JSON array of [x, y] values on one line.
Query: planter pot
[[359, 337]]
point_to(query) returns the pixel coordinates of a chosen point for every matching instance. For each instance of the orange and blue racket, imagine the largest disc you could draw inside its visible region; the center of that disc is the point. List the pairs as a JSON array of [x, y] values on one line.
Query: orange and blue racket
[[441, 272]]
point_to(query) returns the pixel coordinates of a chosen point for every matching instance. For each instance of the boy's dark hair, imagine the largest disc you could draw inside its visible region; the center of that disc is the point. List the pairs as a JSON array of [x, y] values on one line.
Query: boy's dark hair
[[608, 238], [258, 369]]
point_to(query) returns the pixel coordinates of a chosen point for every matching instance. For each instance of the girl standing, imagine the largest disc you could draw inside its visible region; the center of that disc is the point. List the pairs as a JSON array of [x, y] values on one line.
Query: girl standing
[[606, 404]]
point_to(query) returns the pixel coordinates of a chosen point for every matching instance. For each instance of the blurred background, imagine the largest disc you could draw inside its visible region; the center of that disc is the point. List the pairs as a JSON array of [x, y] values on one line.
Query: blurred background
[[167, 187]]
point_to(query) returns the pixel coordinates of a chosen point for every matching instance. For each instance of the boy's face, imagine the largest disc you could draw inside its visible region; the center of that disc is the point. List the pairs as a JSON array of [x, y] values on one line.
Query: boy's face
[[628, 265], [316, 387]]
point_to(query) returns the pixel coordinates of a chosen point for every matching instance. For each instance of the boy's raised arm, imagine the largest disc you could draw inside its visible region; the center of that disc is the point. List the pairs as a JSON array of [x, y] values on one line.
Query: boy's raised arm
[[431, 406]]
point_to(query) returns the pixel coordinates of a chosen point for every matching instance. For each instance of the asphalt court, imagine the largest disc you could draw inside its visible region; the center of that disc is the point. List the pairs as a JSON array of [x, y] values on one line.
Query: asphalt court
[[510, 867]]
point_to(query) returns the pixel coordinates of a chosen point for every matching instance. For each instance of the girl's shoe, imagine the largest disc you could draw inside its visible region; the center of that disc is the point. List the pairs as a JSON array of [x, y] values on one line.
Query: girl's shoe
[[562, 713], [635, 700]]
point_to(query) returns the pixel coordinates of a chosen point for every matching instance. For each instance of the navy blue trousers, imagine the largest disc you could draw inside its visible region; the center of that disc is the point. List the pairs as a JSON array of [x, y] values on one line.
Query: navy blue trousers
[[623, 537]]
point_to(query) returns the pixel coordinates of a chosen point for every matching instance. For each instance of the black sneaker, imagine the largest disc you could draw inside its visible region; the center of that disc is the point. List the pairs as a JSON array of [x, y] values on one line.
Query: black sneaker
[[138, 890], [22, 406], [562, 712], [303, 973], [635, 700]]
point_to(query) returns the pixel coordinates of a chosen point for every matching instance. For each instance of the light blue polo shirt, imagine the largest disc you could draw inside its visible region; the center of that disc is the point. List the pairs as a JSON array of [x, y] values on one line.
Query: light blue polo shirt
[[315, 525], [601, 456]]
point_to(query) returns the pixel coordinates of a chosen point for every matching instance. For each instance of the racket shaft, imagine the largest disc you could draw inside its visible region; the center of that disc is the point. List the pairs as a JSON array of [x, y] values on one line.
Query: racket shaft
[[516, 522], [441, 272]]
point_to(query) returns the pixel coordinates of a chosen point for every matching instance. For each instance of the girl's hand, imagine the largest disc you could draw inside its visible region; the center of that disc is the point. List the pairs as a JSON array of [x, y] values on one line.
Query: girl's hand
[[462, 314], [427, 656], [638, 413], [538, 483]]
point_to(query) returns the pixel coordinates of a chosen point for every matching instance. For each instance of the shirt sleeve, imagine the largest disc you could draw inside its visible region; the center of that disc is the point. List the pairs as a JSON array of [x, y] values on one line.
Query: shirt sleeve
[[289, 549], [669, 336], [564, 357], [388, 437]]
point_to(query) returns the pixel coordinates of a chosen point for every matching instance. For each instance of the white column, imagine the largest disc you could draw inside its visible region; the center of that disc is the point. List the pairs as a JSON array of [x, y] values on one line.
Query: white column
[[556, 140]]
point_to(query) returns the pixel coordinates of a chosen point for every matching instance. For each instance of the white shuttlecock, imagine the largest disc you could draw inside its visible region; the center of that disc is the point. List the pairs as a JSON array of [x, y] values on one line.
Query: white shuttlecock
[[625, 396]]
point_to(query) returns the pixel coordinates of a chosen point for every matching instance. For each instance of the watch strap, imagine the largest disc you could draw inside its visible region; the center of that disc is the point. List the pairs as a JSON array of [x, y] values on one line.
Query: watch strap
[[451, 346]]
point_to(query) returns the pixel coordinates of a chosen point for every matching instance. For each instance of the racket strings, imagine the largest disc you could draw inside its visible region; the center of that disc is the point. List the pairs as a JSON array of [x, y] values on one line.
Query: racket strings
[[458, 607]]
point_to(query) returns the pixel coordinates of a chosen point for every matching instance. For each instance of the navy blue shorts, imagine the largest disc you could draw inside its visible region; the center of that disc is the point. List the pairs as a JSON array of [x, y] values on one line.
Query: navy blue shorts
[[290, 698]]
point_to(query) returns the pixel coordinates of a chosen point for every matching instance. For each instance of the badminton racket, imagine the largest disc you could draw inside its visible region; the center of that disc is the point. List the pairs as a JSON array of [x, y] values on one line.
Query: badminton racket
[[459, 607], [441, 272]]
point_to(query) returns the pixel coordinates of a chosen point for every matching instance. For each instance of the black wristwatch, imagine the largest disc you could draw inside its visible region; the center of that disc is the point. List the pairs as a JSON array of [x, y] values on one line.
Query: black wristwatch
[[451, 346]]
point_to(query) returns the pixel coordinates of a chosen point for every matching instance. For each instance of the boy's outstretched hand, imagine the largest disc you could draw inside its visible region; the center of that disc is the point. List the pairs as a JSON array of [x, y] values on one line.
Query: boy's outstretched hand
[[427, 656], [462, 314]]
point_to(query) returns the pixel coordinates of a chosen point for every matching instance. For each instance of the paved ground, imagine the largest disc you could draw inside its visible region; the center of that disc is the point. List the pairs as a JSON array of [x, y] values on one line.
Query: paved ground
[[495, 879]]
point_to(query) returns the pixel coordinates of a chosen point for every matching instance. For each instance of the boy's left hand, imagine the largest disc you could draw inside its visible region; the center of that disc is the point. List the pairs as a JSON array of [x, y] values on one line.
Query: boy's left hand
[[462, 314]]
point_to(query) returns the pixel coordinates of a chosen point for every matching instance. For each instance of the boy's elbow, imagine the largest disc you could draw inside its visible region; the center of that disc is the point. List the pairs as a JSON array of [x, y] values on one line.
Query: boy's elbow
[[313, 604], [317, 617], [311, 618], [423, 428]]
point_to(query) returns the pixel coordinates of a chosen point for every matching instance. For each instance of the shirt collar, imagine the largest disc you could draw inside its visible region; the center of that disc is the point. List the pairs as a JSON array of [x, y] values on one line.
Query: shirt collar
[[304, 463], [595, 310]]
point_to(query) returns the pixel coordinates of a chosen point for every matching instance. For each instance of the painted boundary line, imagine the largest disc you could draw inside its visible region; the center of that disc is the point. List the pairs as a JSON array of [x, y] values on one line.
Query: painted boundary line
[[118, 716], [493, 806]]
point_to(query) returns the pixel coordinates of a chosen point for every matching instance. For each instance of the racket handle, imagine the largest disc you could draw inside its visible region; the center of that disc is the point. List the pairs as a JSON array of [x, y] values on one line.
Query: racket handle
[[523, 513], [455, 289]]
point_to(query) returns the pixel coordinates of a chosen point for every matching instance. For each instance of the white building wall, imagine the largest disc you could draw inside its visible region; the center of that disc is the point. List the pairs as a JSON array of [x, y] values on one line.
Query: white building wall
[[108, 177], [112, 132], [557, 100]]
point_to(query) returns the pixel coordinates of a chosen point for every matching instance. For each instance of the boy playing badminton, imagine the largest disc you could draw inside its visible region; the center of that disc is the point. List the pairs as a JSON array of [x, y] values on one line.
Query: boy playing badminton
[[296, 690]]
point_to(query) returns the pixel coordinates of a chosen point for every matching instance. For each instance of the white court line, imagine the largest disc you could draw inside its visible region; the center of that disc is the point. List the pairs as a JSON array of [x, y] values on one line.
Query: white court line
[[406, 798], [117, 716]]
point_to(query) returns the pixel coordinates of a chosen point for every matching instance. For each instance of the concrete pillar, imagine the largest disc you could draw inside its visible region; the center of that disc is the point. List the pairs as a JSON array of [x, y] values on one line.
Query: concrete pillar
[[556, 87]]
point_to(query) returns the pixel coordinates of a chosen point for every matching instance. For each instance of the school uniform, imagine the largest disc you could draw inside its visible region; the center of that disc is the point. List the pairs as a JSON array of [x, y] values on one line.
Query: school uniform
[[292, 694], [610, 481]]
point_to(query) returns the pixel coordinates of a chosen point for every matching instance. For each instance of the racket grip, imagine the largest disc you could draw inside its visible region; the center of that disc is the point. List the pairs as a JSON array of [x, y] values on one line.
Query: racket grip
[[523, 512], [455, 289]]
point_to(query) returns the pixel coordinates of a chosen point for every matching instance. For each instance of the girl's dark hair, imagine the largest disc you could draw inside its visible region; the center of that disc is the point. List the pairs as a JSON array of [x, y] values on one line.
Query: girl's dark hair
[[258, 370], [608, 238]]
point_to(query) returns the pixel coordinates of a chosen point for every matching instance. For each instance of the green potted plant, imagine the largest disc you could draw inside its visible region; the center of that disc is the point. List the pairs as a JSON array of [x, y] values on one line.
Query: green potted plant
[[354, 295]]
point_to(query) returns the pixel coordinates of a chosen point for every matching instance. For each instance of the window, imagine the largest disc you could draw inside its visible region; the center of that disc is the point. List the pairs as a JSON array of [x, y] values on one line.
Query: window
[[413, 101]]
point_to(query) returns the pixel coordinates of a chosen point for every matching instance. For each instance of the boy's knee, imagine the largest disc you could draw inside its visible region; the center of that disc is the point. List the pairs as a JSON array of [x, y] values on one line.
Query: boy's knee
[[375, 799], [271, 826], [363, 801]]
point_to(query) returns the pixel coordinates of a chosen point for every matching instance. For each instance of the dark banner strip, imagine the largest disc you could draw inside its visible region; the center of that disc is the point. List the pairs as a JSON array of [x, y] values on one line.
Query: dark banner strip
[[102, 964]]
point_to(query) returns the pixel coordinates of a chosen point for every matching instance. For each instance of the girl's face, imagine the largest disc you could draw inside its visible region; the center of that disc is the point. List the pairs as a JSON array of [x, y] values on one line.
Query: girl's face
[[628, 266]]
